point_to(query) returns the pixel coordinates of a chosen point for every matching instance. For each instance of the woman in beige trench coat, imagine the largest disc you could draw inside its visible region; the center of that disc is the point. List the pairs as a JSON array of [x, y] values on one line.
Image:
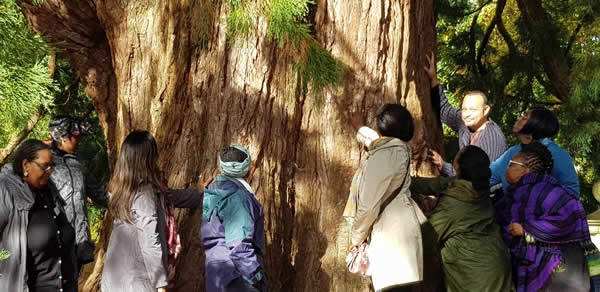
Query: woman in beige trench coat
[[390, 222]]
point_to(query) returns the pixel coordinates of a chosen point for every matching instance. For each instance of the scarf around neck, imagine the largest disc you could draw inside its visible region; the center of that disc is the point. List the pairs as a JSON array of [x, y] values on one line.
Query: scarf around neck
[[552, 216]]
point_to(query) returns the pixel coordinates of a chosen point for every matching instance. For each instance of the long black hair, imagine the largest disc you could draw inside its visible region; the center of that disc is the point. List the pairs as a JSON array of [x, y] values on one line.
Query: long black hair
[[27, 151], [474, 166]]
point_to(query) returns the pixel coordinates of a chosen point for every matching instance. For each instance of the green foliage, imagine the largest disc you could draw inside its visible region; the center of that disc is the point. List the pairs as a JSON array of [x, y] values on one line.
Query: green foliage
[[95, 215], [4, 254], [288, 28], [516, 80], [25, 85], [320, 69], [239, 21], [286, 18]]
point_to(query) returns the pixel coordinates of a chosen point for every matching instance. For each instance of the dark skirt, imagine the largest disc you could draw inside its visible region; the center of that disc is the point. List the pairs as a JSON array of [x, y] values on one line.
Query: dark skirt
[[574, 274]]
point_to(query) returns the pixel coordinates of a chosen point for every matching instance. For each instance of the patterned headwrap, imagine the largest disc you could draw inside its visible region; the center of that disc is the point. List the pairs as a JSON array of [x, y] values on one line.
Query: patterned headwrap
[[236, 169], [63, 126]]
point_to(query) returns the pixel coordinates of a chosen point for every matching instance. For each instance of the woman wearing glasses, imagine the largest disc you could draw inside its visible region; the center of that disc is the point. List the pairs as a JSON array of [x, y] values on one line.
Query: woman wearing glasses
[[538, 124], [548, 234], [34, 227]]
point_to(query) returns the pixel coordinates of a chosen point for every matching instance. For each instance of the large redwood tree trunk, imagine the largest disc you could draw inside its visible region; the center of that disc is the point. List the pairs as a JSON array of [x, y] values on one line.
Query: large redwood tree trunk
[[167, 66]]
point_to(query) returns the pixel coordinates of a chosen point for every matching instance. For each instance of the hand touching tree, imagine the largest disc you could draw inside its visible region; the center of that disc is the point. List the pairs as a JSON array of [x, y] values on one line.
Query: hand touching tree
[[430, 69]]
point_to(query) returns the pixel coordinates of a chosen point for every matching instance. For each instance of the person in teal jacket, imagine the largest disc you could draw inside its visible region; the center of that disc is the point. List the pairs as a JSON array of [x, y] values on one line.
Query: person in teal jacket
[[538, 124], [233, 234]]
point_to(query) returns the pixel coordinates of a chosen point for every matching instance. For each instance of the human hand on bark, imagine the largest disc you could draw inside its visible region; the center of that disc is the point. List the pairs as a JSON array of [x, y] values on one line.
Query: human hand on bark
[[357, 119], [430, 69], [516, 229], [203, 181], [436, 159]]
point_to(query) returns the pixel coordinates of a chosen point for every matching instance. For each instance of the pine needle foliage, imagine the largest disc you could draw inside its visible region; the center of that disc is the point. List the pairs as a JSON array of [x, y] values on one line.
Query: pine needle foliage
[[25, 85], [286, 19], [240, 20], [319, 68], [287, 27]]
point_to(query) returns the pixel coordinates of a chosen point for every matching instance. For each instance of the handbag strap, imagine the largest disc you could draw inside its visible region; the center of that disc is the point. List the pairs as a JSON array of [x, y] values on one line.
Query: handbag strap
[[396, 191]]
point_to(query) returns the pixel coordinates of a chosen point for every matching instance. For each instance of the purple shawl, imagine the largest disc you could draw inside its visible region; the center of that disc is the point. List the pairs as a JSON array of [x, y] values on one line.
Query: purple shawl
[[550, 215]]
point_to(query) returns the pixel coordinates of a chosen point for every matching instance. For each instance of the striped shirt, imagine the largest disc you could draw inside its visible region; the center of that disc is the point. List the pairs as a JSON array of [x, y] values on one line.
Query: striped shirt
[[491, 140]]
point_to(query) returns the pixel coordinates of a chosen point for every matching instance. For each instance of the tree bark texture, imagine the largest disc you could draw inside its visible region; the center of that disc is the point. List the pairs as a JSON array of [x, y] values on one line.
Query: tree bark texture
[[168, 67]]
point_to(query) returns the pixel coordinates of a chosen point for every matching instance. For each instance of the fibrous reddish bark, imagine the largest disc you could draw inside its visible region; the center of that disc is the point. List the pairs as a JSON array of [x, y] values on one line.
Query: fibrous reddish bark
[[167, 66]]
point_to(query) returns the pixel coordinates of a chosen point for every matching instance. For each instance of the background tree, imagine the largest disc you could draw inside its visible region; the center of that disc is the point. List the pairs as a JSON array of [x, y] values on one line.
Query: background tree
[[526, 53], [265, 77], [36, 84]]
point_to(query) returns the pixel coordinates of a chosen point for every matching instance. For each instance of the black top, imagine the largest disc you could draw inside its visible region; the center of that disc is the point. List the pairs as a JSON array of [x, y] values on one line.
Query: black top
[[50, 240]]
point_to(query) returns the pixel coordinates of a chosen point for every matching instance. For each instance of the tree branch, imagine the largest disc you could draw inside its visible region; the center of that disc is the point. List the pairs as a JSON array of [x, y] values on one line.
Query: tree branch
[[484, 43], [512, 48], [478, 10], [543, 32], [22, 135], [496, 22], [73, 27], [33, 120], [472, 43], [572, 38]]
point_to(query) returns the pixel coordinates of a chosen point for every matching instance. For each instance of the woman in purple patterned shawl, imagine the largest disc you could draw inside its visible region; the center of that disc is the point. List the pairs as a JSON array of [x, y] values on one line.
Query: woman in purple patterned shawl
[[548, 237]]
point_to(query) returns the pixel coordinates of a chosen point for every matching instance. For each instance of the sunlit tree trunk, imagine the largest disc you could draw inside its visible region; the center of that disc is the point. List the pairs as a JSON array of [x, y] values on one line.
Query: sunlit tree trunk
[[168, 67]]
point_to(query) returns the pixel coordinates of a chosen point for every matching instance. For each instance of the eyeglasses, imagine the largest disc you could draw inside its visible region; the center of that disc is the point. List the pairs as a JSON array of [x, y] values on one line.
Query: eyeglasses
[[517, 163], [44, 167]]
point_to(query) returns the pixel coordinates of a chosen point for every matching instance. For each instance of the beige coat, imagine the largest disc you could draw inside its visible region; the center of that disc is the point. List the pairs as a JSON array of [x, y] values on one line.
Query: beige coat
[[395, 251]]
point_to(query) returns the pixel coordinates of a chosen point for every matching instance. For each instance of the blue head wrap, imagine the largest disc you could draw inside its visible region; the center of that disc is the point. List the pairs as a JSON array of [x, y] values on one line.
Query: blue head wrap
[[233, 168]]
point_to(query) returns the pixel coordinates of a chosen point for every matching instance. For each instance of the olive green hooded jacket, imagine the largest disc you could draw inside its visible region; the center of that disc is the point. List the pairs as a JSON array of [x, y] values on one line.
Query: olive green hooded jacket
[[473, 254]]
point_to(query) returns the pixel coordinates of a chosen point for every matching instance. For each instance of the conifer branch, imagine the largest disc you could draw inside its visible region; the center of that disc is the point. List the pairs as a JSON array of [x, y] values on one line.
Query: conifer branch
[[572, 38], [477, 10], [472, 41], [488, 33], [22, 135]]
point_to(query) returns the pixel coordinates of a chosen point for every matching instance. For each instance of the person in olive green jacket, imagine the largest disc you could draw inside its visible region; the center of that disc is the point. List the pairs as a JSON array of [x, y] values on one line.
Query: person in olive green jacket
[[473, 254]]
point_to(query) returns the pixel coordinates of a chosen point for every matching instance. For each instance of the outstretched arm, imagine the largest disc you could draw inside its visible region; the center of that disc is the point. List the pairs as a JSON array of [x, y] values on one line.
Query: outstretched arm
[[448, 114]]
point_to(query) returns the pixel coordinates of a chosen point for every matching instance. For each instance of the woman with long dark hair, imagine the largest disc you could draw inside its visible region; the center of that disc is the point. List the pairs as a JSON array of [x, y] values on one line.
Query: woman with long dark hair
[[144, 241], [473, 254], [34, 227]]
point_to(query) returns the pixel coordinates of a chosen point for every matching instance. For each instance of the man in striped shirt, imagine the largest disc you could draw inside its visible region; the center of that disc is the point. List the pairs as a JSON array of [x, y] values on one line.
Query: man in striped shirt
[[471, 122]]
